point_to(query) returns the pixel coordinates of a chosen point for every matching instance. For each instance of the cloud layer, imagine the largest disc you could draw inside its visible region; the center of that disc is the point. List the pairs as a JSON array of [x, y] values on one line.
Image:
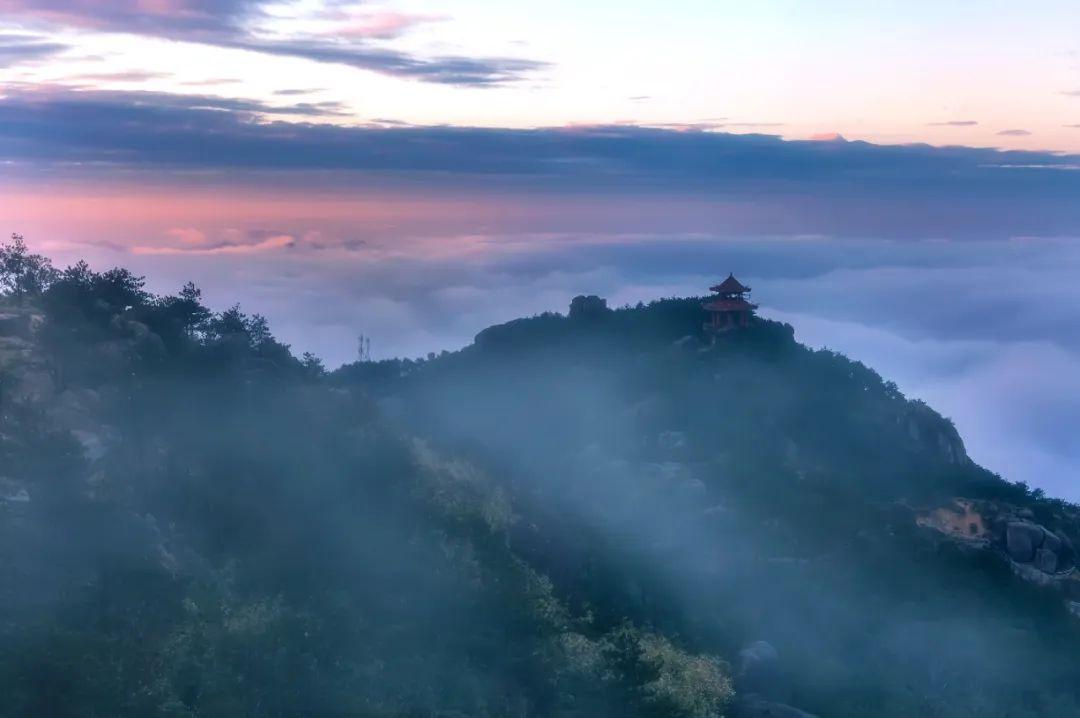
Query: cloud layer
[[236, 24], [18, 49], [984, 331], [52, 123], [829, 187]]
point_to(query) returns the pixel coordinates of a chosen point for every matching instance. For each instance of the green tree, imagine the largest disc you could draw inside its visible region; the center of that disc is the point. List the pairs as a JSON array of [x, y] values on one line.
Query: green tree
[[22, 273]]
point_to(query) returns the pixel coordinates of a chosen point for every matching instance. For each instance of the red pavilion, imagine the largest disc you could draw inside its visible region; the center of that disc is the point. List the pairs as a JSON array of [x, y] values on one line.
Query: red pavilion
[[731, 307]]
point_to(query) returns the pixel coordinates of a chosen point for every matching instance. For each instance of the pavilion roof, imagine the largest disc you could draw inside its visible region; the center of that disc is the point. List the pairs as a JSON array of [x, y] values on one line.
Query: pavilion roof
[[730, 285]]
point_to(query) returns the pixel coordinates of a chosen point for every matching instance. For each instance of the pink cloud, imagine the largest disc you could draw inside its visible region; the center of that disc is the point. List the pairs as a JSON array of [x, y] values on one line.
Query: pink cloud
[[381, 25], [194, 241], [127, 14], [188, 235]]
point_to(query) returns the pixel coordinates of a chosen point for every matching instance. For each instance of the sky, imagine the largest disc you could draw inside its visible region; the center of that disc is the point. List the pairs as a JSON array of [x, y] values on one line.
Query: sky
[[900, 181]]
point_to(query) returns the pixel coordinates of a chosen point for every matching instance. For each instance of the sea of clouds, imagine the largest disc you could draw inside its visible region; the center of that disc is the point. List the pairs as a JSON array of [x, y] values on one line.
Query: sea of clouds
[[985, 332]]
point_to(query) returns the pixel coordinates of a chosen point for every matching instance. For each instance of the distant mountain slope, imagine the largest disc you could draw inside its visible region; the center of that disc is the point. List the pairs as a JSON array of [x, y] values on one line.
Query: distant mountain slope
[[750, 489]]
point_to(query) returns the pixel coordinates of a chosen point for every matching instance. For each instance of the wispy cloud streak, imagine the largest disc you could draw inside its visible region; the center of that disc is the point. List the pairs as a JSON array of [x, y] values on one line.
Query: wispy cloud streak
[[234, 24], [18, 49]]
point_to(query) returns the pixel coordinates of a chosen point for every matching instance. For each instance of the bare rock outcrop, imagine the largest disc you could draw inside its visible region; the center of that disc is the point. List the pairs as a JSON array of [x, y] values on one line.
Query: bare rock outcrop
[[935, 434], [1035, 552], [761, 684], [1027, 542], [759, 667]]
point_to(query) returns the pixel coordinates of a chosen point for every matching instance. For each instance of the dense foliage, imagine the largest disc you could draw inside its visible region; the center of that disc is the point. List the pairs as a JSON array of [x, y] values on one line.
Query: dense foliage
[[580, 515], [197, 523]]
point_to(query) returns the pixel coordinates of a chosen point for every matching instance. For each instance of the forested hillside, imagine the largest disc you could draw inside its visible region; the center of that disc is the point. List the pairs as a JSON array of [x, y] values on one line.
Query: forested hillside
[[599, 514], [746, 489]]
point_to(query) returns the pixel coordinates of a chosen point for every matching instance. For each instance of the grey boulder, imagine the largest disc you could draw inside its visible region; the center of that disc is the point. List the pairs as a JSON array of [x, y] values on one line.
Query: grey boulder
[[1022, 539]]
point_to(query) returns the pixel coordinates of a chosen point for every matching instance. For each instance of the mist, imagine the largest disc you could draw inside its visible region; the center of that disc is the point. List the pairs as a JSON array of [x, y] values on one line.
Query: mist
[[731, 494], [962, 325], [599, 511]]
